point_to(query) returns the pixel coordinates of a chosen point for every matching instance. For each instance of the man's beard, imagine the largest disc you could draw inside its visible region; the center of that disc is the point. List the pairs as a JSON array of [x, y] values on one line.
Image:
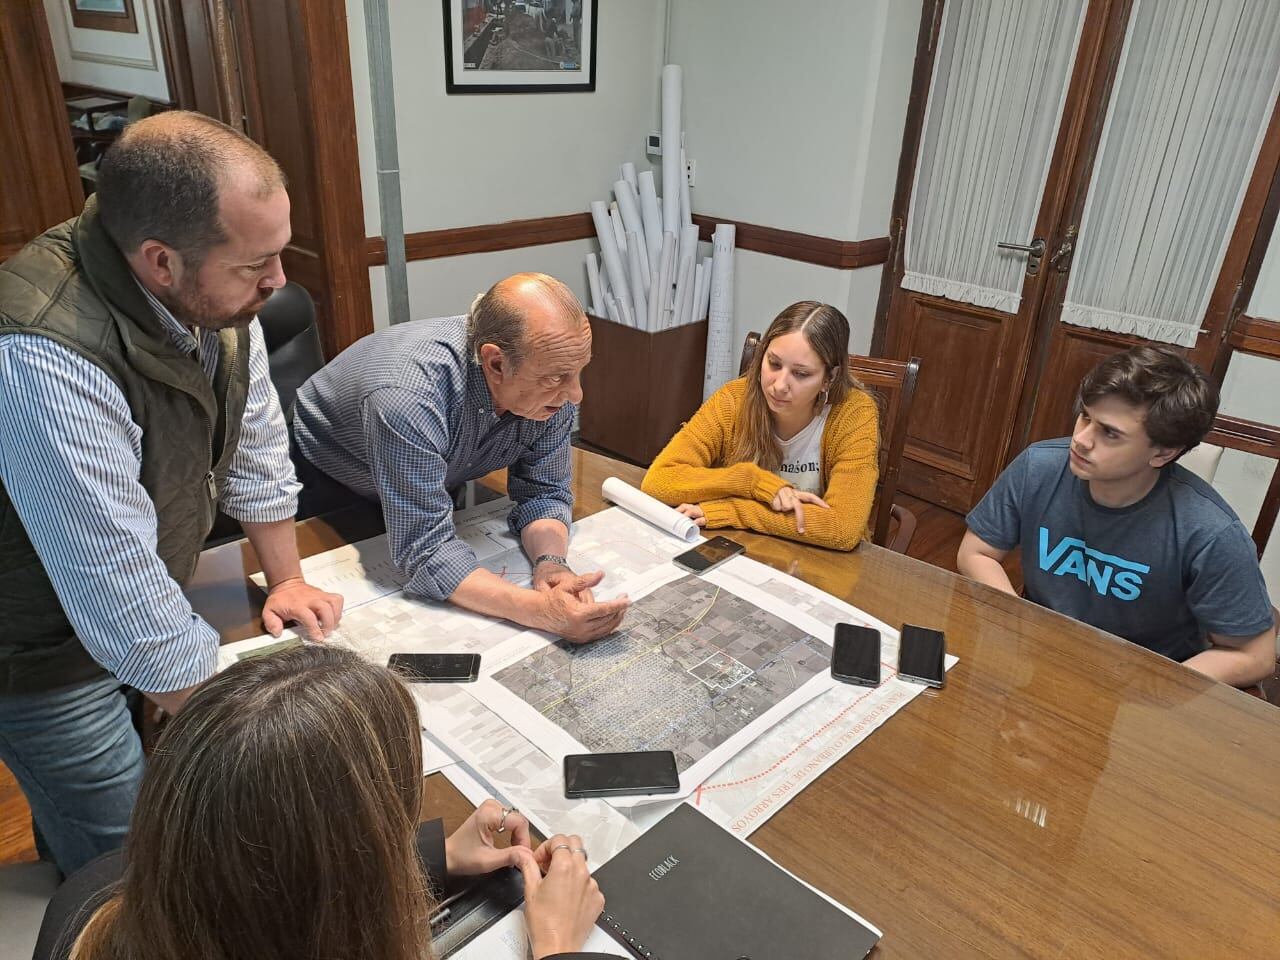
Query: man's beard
[[192, 307]]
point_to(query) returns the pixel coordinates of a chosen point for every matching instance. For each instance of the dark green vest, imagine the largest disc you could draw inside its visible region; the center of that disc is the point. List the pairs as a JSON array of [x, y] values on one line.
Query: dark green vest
[[72, 284]]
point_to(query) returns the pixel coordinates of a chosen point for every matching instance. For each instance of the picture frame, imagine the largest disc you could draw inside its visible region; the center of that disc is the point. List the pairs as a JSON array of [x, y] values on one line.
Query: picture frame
[[520, 46], [115, 15]]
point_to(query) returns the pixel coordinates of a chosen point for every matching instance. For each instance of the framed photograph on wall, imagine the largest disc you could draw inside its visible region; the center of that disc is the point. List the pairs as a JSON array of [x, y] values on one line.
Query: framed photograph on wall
[[519, 46], [114, 15]]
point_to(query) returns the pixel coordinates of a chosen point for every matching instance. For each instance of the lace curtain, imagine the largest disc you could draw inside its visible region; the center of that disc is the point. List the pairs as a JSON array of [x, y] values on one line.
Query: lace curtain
[[999, 82], [1194, 90]]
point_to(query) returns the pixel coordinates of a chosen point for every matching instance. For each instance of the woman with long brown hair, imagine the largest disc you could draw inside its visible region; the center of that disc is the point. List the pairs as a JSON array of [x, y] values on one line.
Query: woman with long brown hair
[[278, 819], [791, 449]]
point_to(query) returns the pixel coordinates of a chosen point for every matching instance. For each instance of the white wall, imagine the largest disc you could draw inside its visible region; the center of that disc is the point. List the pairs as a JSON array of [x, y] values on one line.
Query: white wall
[[124, 62], [794, 114], [795, 122], [471, 159]]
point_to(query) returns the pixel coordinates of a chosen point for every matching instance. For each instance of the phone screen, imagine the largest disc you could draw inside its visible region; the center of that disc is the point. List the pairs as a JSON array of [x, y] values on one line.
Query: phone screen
[[436, 667], [856, 655], [709, 553], [620, 774], [922, 655]]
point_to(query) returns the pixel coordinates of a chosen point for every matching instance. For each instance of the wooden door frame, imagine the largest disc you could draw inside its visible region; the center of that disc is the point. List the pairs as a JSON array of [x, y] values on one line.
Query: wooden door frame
[[335, 271], [38, 116]]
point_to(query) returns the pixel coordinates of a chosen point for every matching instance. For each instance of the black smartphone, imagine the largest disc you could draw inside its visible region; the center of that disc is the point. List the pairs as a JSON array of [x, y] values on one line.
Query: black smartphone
[[709, 554], [436, 667], [855, 658], [922, 655], [620, 774]]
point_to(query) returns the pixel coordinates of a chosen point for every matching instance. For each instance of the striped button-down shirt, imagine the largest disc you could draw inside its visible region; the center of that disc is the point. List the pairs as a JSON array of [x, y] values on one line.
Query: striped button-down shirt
[[70, 460], [404, 416]]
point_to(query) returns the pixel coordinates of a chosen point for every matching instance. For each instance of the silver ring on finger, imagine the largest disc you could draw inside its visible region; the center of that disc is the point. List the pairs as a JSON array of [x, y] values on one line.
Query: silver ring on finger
[[561, 846], [581, 850], [502, 823]]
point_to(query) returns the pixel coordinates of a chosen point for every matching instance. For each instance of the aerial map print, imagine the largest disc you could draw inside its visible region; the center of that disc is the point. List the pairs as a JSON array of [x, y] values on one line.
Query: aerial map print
[[694, 665]]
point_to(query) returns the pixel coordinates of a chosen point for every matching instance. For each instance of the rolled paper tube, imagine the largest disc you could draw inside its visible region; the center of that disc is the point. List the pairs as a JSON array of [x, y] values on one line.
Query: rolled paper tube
[[666, 273], [719, 367], [609, 250], [629, 174], [593, 284], [619, 234], [648, 509], [686, 205], [684, 293], [633, 223], [699, 281], [672, 123], [635, 257], [651, 214]]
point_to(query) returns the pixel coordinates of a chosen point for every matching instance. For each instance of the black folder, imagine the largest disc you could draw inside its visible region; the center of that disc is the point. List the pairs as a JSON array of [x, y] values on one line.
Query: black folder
[[687, 889]]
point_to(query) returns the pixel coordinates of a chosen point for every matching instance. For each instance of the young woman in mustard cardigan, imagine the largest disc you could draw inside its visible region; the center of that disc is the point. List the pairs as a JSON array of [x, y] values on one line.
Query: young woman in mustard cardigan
[[790, 449]]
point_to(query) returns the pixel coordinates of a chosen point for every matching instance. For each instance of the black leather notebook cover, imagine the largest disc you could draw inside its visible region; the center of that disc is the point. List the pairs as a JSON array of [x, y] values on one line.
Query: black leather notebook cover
[[687, 889]]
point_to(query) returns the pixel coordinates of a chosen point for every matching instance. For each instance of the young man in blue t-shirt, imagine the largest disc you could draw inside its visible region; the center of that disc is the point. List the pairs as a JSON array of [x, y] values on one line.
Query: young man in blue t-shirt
[[1116, 534]]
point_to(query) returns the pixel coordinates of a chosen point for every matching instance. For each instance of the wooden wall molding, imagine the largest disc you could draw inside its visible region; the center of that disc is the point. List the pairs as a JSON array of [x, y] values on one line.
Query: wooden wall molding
[[485, 238], [513, 234], [1257, 336], [806, 247]]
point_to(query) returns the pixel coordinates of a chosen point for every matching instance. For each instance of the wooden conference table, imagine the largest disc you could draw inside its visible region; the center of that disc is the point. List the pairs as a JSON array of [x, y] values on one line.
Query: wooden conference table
[[1065, 795]]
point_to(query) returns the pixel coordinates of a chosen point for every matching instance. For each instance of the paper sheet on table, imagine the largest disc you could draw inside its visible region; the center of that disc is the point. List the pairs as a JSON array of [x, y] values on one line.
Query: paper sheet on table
[[647, 508]]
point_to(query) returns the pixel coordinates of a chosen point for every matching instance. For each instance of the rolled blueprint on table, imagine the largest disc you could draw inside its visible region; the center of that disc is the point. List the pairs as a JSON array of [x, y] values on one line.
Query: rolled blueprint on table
[[672, 96], [720, 317], [635, 258], [609, 250], [651, 214], [593, 281], [650, 510], [632, 222]]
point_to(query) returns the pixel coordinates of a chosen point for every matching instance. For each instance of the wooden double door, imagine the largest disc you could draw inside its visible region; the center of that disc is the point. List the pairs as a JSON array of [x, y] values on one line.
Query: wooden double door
[[995, 378]]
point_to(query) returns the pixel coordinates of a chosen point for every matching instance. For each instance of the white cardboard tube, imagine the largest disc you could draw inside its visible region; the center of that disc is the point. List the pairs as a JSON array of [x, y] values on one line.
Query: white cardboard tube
[[652, 217], [686, 205], [609, 250], [672, 123], [593, 281], [633, 223], [666, 273], [629, 174], [647, 508], [619, 233], [636, 257]]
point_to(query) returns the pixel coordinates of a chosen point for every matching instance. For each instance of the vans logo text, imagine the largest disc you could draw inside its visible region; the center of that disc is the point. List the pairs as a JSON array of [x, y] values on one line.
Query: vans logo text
[[1107, 574]]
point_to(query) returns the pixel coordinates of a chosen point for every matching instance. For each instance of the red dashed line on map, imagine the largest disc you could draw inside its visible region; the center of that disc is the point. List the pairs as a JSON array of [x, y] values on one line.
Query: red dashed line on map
[[697, 797]]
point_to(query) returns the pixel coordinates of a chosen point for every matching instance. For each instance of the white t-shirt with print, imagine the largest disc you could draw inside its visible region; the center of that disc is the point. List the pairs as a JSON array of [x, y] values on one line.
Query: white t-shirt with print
[[802, 455]]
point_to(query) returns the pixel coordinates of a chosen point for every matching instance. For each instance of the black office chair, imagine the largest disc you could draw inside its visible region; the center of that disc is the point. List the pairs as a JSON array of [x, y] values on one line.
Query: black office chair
[[288, 320], [293, 343]]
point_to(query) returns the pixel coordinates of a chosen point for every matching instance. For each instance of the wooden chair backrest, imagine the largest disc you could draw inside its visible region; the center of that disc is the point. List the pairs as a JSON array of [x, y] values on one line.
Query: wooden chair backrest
[[1263, 440]]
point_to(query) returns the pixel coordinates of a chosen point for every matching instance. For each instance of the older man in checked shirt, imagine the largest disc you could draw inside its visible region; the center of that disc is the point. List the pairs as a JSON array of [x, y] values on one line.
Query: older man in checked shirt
[[135, 399], [408, 414]]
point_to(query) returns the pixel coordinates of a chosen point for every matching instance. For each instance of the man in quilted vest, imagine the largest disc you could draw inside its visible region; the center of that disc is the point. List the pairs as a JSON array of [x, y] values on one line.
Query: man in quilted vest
[[135, 400]]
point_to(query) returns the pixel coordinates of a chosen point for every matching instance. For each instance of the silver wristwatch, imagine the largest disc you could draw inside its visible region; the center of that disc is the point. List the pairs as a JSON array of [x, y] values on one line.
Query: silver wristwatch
[[551, 558]]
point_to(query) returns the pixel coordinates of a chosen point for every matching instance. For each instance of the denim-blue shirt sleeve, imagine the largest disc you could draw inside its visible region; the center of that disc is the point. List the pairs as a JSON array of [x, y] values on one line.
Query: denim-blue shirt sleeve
[[539, 483], [70, 459], [407, 438]]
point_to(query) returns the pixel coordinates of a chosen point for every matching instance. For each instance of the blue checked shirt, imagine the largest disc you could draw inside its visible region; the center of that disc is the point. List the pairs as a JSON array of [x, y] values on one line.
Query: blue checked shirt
[[404, 416], [70, 459]]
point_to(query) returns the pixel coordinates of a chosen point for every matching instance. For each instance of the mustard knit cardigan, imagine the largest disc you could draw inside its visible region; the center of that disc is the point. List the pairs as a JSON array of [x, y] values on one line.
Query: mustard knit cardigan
[[692, 469]]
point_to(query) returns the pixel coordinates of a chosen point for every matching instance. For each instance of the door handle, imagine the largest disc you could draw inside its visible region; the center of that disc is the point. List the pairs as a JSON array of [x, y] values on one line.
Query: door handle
[[1034, 251]]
